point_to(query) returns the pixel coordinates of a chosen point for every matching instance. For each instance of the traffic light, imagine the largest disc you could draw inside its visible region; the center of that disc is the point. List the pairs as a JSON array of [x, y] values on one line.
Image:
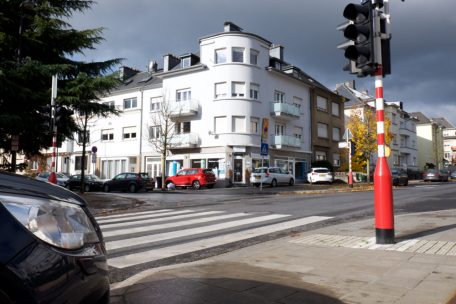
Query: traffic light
[[62, 115], [360, 32]]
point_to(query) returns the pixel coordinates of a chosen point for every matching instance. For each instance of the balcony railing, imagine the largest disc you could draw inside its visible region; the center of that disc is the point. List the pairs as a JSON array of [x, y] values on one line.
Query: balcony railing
[[286, 141], [183, 108], [186, 140], [285, 110]]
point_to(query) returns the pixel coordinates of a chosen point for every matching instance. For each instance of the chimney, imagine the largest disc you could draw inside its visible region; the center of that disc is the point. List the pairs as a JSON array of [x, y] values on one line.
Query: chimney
[[170, 61], [153, 66], [126, 72], [231, 27], [276, 51]]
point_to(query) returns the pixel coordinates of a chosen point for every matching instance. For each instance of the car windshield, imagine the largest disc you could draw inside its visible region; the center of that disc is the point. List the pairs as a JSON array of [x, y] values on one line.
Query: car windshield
[[208, 171], [259, 170], [321, 170], [431, 171]]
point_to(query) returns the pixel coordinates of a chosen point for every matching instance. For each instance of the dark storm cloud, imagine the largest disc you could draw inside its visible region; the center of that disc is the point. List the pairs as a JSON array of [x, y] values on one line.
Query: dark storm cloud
[[423, 42]]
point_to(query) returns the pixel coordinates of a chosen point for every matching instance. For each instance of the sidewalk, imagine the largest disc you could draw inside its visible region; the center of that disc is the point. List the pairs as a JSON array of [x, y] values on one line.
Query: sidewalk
[[337, 264]]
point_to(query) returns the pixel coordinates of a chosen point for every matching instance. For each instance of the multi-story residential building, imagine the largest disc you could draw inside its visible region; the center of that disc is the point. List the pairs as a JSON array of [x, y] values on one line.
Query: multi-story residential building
[[403, 126], [220, 100], [430, 141]]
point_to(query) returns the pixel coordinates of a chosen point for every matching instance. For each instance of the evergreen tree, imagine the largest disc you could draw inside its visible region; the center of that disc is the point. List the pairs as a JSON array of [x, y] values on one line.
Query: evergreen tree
[[35, 43]]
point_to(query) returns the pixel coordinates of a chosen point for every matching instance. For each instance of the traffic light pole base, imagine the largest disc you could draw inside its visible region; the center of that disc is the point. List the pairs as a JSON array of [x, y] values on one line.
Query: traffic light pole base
[[384, 236]]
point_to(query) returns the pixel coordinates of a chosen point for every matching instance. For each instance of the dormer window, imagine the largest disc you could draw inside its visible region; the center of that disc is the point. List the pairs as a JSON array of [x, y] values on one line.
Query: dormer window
[[186, 62]]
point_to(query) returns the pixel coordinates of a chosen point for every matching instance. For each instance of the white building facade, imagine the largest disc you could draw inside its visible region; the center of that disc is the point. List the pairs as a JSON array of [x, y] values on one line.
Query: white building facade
[[227, 96]]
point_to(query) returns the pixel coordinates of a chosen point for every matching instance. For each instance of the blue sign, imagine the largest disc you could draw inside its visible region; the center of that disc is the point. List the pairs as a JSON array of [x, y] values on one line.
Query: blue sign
[[264, 149]]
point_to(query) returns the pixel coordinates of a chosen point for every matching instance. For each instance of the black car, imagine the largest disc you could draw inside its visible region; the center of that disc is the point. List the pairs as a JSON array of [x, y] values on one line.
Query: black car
[[52, 249], [400, 177], [129, 181], [91, 182]]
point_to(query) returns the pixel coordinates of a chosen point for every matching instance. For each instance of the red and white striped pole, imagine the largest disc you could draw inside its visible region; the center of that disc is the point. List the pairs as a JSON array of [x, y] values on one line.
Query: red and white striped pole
[[52, 176], [383, 189]]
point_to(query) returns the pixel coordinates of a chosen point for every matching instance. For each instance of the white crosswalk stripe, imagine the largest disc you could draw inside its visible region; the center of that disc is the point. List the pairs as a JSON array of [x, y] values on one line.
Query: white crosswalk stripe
[[184, 231]]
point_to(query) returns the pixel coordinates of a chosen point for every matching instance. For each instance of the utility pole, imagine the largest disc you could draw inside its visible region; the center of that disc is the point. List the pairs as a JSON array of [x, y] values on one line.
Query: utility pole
[[53, 177], [368, 52]]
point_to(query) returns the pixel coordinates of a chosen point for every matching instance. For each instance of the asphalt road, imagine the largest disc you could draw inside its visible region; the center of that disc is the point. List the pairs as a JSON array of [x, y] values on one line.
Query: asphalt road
[[165, 225]]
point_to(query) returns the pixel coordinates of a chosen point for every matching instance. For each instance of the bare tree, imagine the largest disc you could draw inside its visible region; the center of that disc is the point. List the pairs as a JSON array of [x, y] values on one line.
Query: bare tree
[[162, 130]]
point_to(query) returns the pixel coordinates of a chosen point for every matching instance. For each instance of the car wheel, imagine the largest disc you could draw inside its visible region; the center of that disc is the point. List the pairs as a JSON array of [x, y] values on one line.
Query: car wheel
[[196, 185], [86, 188], [406, 183], [291, 183], [274, 183], [106, 188], [210, 186], [132, 188]]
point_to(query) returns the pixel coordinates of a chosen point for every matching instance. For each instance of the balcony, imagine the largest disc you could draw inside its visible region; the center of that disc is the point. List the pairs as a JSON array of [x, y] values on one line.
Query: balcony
[[285, 111], [285, 141], [183, 108], [187, 140]]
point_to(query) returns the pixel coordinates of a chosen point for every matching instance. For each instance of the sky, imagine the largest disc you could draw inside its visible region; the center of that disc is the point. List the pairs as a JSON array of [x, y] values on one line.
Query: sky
[[423, 44]]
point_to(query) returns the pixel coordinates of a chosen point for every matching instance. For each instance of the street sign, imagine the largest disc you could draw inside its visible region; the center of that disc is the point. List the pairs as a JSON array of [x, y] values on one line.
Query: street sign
[[264, 149], [343, 144], [348, 134]]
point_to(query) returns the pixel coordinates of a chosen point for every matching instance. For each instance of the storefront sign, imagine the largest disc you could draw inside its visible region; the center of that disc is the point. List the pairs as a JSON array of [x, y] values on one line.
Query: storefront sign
[[239, 150]]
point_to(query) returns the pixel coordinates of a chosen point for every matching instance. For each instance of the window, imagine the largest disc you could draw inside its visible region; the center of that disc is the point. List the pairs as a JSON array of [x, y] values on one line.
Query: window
[[220, 90], [336, 134], [320, 155], [220, 124], [186, 62], [181, 128], [110, 104], [279, 129], [80, 137], [279, 97], [322, 103], [297, 132], [238, 55], [336, 159], [297, 102], [129, 133], [130, 103], [184, 94], [254, 89], [238, 124], [254, 57], [335, 109], [155, 104], [393, 119], [238, 89], [107, 135], [78, 163], [154, 132], [220, 56], [254, 121], [322, 130]]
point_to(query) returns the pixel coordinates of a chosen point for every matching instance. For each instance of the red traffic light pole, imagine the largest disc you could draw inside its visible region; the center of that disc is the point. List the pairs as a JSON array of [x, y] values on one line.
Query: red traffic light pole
[[383, 189]]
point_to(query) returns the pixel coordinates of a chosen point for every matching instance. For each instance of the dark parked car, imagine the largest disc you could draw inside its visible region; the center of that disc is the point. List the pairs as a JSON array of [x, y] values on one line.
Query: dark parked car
[[453, 175], [52, 249], [400, 177], [91, 182], [129, 181], [434, 175], [193, 177]]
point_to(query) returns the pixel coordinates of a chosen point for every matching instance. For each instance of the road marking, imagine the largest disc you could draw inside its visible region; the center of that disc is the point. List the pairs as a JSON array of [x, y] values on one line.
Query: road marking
[[170, 251], [157, 220], [412, 245], [127, 231], [131, 214], [143, 216], [148, 239]]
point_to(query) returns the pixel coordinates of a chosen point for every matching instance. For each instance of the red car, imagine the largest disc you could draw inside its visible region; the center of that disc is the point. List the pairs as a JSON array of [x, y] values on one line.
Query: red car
[[193, 177]]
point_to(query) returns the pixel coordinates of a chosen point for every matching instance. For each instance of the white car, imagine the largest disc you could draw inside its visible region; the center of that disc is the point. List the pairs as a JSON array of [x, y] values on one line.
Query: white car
[[271, 176], [317, 175]]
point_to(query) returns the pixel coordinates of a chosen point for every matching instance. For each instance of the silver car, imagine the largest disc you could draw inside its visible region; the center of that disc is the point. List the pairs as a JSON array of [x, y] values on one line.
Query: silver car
[[271, 176], [61, 178]]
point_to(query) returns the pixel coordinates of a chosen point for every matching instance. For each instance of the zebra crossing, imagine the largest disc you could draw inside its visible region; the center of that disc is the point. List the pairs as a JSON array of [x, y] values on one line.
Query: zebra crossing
[[137, 238]]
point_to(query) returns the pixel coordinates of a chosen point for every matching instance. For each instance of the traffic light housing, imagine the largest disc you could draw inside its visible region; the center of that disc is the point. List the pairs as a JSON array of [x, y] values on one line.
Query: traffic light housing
[[62, 115], [45, 119], [360, 32]]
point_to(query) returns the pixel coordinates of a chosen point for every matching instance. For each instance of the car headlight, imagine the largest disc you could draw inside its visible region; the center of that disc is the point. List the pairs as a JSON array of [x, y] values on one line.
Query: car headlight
[[58, 223]]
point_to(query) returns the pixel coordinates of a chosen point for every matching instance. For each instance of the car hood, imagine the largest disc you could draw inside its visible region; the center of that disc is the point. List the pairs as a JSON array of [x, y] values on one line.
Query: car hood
[[17, 184]]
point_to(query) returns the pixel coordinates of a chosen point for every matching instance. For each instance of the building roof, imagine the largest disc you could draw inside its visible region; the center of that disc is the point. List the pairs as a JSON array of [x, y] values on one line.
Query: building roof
[[422, 119], [353, 96], [443, 122]]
